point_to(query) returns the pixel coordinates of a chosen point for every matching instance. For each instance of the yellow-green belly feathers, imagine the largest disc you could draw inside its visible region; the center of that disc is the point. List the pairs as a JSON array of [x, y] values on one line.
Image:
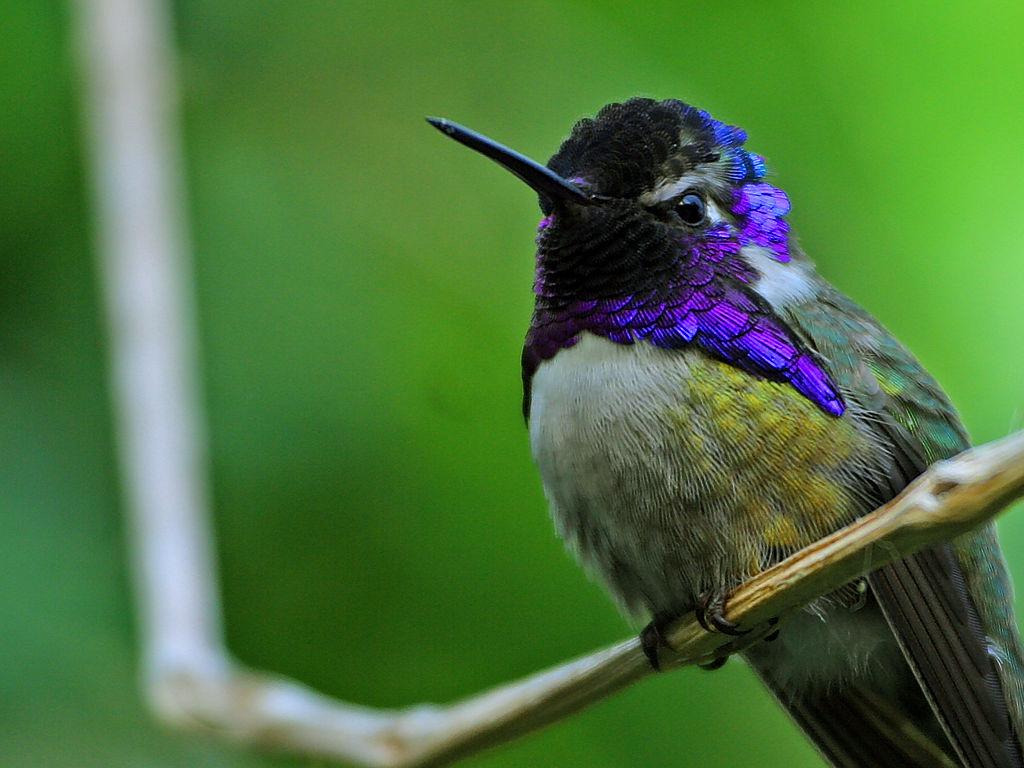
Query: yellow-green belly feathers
[[672, 473]]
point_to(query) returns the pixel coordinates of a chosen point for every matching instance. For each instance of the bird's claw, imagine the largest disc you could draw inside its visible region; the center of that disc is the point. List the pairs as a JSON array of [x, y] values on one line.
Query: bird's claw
[[717, 663], [652, 639], [710, 613]]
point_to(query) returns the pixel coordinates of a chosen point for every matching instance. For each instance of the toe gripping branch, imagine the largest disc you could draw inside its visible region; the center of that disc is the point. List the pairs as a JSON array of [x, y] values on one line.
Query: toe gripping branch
[[652, 638], [710, 614]]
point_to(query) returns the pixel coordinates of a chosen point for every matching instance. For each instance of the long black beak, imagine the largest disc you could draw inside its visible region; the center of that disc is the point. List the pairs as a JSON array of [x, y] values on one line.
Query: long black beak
[[545, 181]]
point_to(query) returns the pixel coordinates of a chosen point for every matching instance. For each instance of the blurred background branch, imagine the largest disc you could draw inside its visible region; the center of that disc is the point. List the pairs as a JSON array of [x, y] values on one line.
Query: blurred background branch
[[191, 680], [131, 102]]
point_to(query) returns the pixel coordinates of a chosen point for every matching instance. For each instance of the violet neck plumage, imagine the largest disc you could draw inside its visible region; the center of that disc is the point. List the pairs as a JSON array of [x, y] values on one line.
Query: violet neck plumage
[[629, 270]]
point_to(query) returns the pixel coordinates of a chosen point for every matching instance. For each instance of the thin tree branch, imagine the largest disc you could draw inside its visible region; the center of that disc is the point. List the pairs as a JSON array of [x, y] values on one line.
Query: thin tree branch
[[951, 498], [190, 678]]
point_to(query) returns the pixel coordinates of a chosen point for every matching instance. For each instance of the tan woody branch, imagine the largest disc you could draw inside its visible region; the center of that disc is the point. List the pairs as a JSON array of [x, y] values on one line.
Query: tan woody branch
[[950, 498]]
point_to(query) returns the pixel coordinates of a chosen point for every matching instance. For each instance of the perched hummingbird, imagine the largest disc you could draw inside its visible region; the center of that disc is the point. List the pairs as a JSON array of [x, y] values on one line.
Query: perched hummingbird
[[701, 404]]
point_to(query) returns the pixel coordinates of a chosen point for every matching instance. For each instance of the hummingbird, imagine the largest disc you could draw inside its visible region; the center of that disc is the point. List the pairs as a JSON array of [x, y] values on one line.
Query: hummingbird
[[702, 404]]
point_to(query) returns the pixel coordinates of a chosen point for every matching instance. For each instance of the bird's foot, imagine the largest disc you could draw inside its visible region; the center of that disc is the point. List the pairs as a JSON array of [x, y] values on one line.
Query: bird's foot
[[710, 612], [652, 639], [717, 663]]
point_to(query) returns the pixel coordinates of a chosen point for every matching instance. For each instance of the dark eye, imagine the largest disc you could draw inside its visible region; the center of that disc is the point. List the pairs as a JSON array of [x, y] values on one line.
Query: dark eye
[[691, 209]]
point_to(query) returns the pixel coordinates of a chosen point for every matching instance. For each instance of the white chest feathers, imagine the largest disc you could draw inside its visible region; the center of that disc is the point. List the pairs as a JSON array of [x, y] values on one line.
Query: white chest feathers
[[614, 468], [651, 500]]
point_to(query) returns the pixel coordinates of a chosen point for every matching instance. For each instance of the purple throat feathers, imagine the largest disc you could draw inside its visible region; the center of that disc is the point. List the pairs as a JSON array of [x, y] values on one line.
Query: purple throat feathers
[[706, 303]]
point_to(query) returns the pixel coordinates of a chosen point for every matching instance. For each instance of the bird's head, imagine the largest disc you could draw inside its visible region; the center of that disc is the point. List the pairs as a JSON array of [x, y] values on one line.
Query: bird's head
[[659, 226], [640, 192]]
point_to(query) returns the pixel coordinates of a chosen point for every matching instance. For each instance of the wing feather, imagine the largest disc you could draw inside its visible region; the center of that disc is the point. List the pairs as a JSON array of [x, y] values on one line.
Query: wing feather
[[855, 728], [926, 597]]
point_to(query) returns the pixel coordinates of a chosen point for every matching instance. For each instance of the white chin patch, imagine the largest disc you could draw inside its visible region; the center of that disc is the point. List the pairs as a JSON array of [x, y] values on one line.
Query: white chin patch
[[781, 284]]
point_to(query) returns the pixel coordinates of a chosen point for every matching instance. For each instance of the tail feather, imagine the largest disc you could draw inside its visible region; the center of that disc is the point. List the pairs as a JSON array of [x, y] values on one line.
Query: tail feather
[[856, 728]]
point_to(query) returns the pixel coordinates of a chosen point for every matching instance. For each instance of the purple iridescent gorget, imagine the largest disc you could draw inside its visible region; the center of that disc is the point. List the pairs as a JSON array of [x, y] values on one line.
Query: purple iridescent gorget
[[619, 272]]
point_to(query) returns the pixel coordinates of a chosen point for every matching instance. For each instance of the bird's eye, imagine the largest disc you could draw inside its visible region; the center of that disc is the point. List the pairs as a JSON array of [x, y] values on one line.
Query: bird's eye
[[691, 209]]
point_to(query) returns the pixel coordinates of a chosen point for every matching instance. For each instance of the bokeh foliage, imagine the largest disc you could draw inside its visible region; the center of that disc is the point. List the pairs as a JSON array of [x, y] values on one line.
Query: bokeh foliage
[[363, 287]]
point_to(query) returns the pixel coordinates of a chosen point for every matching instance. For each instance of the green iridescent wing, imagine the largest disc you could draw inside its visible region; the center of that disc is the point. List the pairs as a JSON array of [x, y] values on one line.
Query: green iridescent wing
[[948, 606]]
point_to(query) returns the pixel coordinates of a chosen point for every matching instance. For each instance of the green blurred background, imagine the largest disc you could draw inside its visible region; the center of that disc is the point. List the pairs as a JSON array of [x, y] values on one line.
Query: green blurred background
[[363, 287]]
